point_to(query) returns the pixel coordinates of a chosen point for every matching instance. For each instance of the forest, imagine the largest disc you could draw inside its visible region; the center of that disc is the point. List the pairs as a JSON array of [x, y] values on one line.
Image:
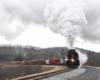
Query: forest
[[23, 53]]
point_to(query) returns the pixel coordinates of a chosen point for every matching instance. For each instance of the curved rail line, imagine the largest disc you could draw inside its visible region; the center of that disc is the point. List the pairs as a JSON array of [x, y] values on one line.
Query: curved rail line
[[46, 75]]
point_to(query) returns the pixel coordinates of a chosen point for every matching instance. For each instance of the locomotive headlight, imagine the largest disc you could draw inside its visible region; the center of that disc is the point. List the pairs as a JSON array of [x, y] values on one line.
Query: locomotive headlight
[[72, 60]]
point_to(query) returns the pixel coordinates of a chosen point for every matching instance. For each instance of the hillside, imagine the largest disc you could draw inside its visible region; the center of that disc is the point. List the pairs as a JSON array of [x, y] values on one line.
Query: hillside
[[8, 52]]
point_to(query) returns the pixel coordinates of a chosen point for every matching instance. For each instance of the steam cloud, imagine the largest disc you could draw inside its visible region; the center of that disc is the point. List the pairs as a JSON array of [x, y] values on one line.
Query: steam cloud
[[82, 57], [66, 18]]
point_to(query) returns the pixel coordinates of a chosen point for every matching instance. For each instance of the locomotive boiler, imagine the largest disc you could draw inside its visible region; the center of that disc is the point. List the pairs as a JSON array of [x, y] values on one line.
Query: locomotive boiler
[[73, 59]]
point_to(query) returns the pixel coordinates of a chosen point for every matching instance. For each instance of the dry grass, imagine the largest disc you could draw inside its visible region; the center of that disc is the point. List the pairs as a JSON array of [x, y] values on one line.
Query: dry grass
[[14, 71], [50, 68]]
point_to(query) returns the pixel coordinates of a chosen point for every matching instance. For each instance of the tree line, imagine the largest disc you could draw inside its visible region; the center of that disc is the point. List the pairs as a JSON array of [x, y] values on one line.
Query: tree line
[[20, 53]]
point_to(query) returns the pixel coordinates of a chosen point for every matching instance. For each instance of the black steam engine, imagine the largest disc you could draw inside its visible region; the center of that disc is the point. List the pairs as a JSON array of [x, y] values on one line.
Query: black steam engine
[[73, 61]]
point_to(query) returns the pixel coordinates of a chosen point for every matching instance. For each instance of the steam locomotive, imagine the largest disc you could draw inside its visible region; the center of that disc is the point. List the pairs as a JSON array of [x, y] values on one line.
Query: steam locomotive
[[73, 61]]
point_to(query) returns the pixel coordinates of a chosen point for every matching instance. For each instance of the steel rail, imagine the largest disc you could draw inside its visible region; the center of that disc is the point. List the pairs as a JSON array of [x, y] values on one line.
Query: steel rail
[[42, 76]]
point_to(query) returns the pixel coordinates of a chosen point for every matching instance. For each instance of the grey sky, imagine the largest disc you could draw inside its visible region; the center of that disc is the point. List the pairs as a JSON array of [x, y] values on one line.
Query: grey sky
[[24, 11], [16, 16]]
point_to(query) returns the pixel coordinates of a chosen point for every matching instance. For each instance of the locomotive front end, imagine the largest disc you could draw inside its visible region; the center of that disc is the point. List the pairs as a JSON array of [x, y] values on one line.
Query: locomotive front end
[[73, 61]]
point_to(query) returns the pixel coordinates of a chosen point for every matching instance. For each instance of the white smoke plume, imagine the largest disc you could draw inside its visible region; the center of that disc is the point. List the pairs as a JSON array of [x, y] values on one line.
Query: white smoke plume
[[82, 57], [65, 17]]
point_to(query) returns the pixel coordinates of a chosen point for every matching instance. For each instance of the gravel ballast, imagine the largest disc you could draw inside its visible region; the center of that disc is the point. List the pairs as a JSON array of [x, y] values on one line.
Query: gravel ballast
[[67, 75]]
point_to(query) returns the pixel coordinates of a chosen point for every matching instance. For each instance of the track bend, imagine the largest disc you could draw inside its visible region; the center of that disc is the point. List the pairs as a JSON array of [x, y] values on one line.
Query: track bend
[[89, 74]]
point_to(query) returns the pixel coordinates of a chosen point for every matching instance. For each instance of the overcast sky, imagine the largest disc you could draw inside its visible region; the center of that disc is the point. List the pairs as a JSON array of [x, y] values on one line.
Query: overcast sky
[[23, 22]]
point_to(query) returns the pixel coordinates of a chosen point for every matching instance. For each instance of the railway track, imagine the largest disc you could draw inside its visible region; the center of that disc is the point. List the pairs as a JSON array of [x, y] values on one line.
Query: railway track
[[42, 76]]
